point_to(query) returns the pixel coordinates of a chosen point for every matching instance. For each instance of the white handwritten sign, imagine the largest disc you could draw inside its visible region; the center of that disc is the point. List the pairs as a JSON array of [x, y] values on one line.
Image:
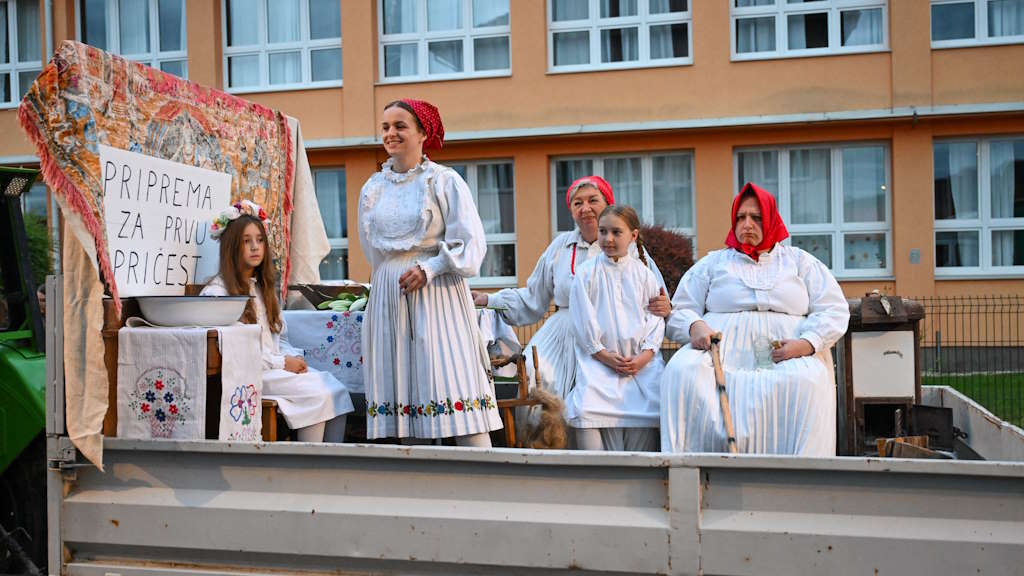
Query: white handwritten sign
[[158, 214]]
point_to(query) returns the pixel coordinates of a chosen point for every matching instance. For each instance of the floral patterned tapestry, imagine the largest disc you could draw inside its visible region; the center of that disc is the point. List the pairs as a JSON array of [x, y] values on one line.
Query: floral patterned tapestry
[[85, 97]]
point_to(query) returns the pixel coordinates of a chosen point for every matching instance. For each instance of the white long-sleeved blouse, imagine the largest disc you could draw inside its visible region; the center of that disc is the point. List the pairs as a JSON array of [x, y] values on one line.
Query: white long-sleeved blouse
[[397, 216], [787, 280], [551, 280], [608, 305]]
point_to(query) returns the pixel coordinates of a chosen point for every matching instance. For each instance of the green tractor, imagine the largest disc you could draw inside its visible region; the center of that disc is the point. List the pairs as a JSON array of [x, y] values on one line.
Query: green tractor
[[22, 388]]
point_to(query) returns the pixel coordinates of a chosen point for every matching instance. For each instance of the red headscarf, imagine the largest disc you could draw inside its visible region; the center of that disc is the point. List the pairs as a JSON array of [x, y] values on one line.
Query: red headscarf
[[772, 228], [597, 182], [430, 120]]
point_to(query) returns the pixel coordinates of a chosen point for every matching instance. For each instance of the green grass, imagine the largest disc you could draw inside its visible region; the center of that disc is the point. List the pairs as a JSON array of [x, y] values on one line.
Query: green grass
[[1002, 394]]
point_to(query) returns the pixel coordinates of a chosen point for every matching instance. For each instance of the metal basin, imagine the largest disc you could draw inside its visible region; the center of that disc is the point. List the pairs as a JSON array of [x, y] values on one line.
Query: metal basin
[[192, 310]]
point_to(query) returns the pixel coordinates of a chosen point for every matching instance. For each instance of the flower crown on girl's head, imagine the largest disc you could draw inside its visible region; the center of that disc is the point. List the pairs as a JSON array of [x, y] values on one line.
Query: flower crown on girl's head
[[220, 223]]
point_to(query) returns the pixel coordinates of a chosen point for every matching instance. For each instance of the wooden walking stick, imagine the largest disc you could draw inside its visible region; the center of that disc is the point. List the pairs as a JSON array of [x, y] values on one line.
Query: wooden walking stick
[[723, 398]]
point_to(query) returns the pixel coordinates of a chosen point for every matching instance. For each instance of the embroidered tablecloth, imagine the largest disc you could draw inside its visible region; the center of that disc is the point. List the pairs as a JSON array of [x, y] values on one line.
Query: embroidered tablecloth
[[161, 382], [332, 341]]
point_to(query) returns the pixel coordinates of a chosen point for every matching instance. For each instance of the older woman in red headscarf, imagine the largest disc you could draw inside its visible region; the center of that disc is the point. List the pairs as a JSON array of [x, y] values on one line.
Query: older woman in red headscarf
[[779, 310], [551, 281], [425, 366]]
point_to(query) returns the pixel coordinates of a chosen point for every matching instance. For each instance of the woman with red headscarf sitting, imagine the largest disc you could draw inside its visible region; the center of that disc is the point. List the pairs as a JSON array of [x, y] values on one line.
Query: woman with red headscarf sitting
[[779, 311], [426, 370], [551, 280]]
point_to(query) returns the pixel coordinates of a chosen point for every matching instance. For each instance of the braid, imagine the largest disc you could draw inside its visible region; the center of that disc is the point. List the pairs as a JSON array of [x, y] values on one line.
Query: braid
[[640, 247], [630, 217]]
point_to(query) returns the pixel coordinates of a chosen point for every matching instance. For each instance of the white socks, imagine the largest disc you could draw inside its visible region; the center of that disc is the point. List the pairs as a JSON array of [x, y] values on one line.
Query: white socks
[[332, 430], [314, 433], [335, 430], [478, 440], [589, 439]]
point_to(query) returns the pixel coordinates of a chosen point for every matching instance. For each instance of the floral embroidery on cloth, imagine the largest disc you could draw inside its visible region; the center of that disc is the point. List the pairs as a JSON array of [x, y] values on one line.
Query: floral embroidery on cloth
[[434, 408], [241, 400], [161, 400], [331, 342], [243, 404], [161, 382]]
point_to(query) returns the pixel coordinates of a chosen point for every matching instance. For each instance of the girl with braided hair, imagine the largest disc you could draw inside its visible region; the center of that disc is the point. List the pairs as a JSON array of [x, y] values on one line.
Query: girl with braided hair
[[615, 404]]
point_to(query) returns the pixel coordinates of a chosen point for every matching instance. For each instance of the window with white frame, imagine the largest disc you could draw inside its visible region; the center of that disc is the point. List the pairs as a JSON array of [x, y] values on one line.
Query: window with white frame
[[331, 197], [281, 44], [21, 52], [608, 34], [148, 31], [493, 186], [973, 22], [979, 206], [658, 186], [785, 28], [439, 39], [834, 199]]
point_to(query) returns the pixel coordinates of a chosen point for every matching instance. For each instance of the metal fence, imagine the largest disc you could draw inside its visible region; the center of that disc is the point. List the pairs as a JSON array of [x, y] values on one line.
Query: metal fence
[[976, 345]]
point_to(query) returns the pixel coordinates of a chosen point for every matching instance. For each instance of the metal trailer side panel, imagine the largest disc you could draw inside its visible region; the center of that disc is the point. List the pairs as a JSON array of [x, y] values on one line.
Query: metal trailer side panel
[[791, 521], [316, 508], [987, 435], [208, 508], [54, 419]]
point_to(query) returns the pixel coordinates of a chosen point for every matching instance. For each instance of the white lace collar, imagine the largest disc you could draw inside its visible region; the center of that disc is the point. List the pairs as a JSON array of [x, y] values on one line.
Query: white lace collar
[[400, 177], [397, 221]]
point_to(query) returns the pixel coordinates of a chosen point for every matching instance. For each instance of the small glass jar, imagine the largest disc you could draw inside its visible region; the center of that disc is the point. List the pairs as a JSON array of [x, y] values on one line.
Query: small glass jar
[[763, 347]]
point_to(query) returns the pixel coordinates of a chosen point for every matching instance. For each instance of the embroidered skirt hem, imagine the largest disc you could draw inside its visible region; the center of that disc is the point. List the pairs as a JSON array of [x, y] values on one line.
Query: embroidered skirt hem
[[426, 374]]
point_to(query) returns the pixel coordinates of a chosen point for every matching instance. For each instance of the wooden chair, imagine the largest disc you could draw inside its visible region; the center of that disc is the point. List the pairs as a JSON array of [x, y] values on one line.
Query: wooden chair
[[507, 407]]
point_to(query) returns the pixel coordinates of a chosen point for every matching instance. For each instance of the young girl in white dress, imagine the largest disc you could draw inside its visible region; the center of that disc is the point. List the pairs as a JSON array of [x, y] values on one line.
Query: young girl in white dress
[[314, 403], [615, 403]]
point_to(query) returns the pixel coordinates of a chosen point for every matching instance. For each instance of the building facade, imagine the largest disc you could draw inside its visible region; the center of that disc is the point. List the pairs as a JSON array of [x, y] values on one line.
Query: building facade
[[891, 132]]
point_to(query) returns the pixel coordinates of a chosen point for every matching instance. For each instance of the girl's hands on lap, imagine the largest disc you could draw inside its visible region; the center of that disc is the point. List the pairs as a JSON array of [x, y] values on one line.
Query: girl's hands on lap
[[613, 360], [412, 279], [700, 335], [624, 365], [634, 364], [295, 364], [790, 349]]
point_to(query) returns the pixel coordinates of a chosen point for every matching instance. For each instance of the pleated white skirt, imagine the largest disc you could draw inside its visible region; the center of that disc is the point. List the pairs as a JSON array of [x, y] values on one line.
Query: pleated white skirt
[[425, 366], [789, 408]]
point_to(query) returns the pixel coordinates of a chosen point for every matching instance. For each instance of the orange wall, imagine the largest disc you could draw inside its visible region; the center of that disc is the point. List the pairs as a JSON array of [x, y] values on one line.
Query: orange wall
[[909, 74], [911, 155], [203, 26], [972, 75], [712, 87]]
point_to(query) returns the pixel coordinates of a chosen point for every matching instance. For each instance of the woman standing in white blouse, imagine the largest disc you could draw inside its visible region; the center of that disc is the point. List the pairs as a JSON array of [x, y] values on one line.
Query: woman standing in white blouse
[[426, 369], [779, 310]]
